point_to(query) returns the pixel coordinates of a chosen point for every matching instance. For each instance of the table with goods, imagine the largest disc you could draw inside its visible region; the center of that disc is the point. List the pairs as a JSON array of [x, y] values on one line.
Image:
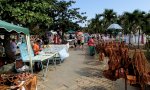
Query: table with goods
[[135, 69]]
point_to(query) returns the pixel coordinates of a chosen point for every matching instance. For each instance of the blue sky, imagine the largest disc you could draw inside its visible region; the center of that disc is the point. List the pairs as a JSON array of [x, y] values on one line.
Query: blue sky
[[92, 7]]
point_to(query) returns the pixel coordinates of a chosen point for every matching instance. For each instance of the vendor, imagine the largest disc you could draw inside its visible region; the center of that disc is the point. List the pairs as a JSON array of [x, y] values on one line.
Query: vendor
[[36, 47], [10, 49], [13, 46]]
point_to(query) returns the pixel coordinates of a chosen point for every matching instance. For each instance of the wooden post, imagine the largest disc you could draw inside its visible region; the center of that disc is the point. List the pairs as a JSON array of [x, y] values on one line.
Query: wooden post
[[125, 83], [125, 79], [139, 39]]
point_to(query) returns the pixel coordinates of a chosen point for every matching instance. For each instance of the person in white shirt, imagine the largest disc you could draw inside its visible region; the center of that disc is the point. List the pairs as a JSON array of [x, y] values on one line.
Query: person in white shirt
[[11, 50]]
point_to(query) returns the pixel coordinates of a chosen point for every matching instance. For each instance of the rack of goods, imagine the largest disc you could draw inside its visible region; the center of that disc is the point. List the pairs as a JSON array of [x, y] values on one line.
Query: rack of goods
[[141, 69], [18, 81], [135, 70]]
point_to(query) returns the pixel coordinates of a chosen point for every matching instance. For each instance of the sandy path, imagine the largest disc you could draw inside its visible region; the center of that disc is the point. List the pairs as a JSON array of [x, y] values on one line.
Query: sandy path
[[79, 72]]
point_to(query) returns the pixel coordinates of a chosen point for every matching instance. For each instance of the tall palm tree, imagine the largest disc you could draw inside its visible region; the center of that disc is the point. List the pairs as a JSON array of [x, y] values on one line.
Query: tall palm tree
[[109, 17], [95, 24], [133, 21], [138, 22], [146, 25], [127, 23]]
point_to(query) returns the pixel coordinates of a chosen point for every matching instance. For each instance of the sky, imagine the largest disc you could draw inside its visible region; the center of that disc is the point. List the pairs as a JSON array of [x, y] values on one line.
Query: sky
[[92, 7]]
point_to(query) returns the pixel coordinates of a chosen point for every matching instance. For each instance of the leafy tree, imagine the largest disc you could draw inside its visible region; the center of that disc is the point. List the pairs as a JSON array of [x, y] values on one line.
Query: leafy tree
[[65, 17], [102, 21], [44, 14], [28, 13]]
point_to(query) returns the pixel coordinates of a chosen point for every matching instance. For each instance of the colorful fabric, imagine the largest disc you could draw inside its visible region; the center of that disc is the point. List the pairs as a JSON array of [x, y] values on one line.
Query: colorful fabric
[[92, 50], [91, 42]]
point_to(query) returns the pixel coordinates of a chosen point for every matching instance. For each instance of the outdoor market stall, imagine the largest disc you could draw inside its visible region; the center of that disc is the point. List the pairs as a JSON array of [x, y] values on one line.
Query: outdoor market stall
[[61, 49], [21, 80], [135, 70], [10, 28], [38, 58]]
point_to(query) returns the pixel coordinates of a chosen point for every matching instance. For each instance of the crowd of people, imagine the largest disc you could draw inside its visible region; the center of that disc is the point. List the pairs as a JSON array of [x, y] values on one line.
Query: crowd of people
[[37, 42]]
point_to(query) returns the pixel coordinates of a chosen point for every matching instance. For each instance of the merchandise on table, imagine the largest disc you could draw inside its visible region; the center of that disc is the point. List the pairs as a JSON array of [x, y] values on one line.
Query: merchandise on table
[[15, 81]]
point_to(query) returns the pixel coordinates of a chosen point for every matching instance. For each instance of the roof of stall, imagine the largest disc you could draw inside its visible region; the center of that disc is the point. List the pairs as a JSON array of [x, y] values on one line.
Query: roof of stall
[[11, 28]]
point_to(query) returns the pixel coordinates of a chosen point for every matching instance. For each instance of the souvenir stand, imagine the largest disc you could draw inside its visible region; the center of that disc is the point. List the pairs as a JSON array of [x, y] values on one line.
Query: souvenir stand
[[135, 70], [22, 80], [61, 49]]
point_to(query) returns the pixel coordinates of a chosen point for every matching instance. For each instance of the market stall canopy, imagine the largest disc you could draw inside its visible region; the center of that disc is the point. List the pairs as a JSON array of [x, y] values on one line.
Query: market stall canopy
[[114, 26], [6, 27], [10, 27]]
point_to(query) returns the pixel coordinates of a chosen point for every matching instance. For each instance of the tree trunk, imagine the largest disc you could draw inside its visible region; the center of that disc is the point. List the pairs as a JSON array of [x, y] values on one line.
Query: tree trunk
[[129, 39], [139, 40], [135, 39]]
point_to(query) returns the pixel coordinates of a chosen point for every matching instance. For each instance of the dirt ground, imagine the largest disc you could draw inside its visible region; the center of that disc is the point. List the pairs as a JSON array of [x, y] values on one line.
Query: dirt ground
[[80, 72]]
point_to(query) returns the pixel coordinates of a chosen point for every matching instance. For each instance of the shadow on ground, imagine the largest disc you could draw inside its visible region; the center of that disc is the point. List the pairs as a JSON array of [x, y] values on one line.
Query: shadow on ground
[[90, 72], [92, 60], [93, 88], [95, 63]]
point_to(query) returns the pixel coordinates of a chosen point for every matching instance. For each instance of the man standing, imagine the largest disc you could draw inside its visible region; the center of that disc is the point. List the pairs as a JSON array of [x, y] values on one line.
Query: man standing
[[13, 49]]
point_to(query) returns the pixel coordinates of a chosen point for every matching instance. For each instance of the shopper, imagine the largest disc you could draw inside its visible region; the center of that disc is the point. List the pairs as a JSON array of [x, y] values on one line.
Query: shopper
[[91, 45], [75, 43], [82, 42]]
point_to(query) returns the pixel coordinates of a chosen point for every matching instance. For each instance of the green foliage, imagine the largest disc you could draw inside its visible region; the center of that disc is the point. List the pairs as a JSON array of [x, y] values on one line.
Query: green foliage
[[29, 13], [129, 21], [66, 17], [100, 23], [46, 14]]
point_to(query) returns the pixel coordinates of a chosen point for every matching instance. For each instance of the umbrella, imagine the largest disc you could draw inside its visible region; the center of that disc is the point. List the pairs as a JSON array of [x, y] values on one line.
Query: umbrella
[[114, 26]]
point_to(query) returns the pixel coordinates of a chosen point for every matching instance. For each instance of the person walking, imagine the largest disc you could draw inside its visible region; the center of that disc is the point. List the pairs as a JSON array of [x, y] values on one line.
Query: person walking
[[91, 45], [82, 42], [75, 43]]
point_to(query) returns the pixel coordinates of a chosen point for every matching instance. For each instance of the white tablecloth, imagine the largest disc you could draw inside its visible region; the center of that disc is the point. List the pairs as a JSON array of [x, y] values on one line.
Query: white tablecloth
[[62, 50]]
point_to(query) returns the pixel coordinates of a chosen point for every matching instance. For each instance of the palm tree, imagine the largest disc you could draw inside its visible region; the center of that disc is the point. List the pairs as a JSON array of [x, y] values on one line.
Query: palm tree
[[132, 22], [95, 24], [109, 17], [138, 22], [126, 22]]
